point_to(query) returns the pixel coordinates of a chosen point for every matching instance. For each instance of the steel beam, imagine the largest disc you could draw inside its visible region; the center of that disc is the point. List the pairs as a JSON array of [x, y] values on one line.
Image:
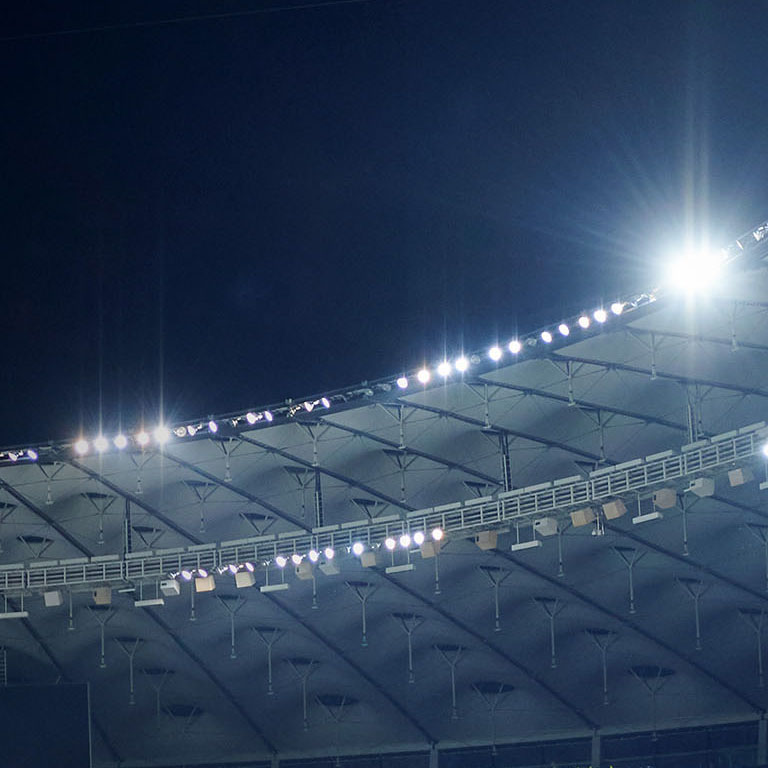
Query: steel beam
[[637, 629], [522, 668], [511, 432], [679, 378], [32, 507], [137, 500], [239, 492], [355, 667], [329, 472], [413, 451], [585, 404], [241, 709], [697, 337]]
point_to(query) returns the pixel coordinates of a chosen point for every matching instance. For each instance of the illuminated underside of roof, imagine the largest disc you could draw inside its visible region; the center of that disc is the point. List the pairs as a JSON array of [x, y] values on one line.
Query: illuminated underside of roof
[[535, 469]]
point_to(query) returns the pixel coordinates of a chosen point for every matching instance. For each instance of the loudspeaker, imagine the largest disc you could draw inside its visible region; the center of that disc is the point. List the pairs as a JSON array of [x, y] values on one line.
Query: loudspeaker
[[702, 486], [52, 599], [583, 516], [487, 539], [614, 509], [170, 587], [368, 559], [665, 498], [546, 526], [206, 584], [304, 570], [244, 579], [102, 596], [740, 476]]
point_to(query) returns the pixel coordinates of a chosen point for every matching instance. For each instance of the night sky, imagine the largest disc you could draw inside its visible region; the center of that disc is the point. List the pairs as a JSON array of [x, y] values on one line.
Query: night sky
[[208, 215]]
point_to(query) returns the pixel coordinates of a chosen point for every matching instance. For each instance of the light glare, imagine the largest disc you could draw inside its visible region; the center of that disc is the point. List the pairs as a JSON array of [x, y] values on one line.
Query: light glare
[[251, 417], [142, 438], [81, 446], [546, 337], [461, 364], [358, 548], [564, 329], [423, 376], [584, 322], [444, 369], [418, 538], [329, 553], [213, 427], [296, 558], [402, 382], [514, 346], [390, 543], [101, 443], [405, 541], [617, 307], [495, 353], [600, 315], [120, 441], [437, 534], [162, 435], [313, 555], [281, 561]]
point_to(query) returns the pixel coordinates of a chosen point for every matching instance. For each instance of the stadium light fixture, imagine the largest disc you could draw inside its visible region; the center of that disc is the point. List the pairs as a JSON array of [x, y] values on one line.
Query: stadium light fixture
[[329, 553], [358, 548], [546, 337], [82, 446], [437, 534], [390, 543], [418, 538], [423, 376], [281, 561], [765, 450], [313, 555], [495, 353], [515, 346], [101, 444], [402, 382], [32, 454], [268, 415], [617, 307], [564, 329], [600, 315], [461, 364], [695, 272], [213, 427], [162, 434], [142, 438], [584, 322], [405, 541], [444, 369], [325, 402], [251, 417], [120, 441]]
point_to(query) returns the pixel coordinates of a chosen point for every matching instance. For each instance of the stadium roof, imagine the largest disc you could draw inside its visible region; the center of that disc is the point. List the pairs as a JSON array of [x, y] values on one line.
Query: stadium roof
[[563, 598]]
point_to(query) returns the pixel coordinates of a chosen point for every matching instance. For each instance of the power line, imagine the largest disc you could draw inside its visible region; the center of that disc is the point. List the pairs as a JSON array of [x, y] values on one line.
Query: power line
[[180, 20]]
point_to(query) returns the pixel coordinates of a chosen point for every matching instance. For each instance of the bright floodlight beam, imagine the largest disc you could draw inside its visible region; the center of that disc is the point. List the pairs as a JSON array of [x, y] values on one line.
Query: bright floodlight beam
[[81, 447], [358, 548], [600, 315], [695, 272], [461, 364], [162, 435], [546, 337], [584, 322], [495, 353], [423, 376], [444, 369], [101, 444], [402, 382], [120, 441], [514, 346]]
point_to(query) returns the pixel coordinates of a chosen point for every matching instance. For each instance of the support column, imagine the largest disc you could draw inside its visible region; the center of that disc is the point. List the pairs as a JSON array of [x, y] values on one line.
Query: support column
[[434, 756], [596, 750], [762, 741]]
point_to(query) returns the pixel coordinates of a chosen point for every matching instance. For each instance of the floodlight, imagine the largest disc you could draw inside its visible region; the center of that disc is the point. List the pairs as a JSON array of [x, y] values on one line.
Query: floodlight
[[444, 369], [461, 364], [32, 454], [584, 322], [251, 417], [695, 272], [495, 353], [268, 415], [296, 558], [249, 567], [423, 376], [600, 315], [190, 430], [437, 534], [546, 337], [232, 568], [81, 446], [765, 450], [281, 561], [358, 548], [564, 329], [390, 543], [213, 427], [13, 455], [142, 438], [617, 307], [418, 538], [325, 402], [308, 406], [329, 553], [162, 434], [186, 575], [405, 541], [402, 382], [101, 443], [313, 555], [120, 441], [514, 346], [202, 573]]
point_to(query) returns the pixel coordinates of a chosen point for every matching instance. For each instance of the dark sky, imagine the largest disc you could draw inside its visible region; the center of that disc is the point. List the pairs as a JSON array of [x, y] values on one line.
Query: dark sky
[[234, 210]]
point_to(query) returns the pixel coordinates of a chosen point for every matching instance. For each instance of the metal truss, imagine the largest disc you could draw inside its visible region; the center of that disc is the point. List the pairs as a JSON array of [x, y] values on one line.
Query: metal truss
[[453, 465], [631, 625], [325, 471], [585, 404], [523, 505], [355, 668], [504, 430]]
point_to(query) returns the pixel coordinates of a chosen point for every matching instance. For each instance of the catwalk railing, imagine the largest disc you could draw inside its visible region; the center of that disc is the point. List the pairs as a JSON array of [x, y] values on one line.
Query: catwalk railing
[[457, 520]]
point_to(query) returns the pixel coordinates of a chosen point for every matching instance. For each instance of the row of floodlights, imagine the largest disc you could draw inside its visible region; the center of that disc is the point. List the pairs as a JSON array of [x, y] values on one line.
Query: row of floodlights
[[163, 434], [405, 541], [461, 364]]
